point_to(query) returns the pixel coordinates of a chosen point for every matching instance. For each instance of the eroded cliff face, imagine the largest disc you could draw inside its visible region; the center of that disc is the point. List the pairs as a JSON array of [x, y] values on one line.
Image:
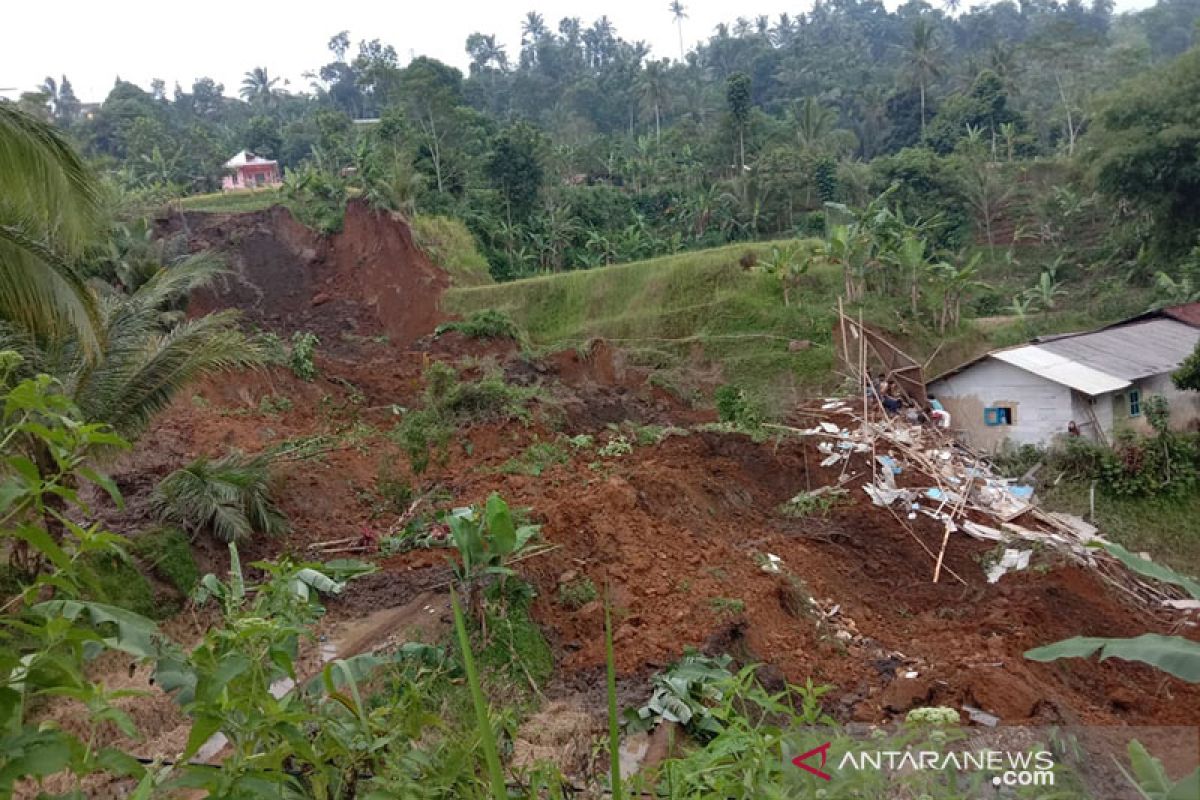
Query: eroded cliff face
[[368, 280]]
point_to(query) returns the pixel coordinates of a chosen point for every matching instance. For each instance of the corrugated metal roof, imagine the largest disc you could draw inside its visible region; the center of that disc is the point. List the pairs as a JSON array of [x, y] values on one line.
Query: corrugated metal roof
[[1132, 351], [1039, 360]]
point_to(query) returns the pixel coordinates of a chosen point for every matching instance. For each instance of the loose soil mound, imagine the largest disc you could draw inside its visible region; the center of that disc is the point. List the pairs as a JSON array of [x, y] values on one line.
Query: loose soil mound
[[677, 529], [369, 280]]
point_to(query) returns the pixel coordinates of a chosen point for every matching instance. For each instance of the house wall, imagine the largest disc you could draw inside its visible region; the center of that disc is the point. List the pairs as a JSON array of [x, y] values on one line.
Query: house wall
[[1185, 406], [1041, 409], [244, 177]]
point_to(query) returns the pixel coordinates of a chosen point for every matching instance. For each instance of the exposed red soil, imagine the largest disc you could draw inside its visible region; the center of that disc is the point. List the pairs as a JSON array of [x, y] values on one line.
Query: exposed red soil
[[676, 529], [368, 280]]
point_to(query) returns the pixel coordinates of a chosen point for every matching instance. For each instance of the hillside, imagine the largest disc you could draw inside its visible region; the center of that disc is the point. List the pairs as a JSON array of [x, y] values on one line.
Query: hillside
[[688, 313]]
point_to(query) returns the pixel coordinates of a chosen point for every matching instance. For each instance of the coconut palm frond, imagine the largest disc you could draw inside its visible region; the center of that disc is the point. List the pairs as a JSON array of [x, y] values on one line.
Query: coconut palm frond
[[143, 371], [49, 208], [169, 285], [40, 290], [228, 498], [44, 181]]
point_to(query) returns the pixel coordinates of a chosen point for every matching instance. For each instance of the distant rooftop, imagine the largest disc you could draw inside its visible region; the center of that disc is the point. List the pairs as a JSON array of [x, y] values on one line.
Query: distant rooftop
[[244, 158]]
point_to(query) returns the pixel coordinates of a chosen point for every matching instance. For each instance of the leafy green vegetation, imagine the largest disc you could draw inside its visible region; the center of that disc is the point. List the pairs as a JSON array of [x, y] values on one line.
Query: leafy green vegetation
[[451, 246], [167, 552], [577, 593], [300, 358], [449, 404], [486, 324], [1173, 654], [228, 498]]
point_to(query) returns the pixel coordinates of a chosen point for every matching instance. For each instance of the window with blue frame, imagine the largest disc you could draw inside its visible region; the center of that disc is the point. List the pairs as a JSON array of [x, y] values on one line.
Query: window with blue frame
[[997, 415], [1135, 403]]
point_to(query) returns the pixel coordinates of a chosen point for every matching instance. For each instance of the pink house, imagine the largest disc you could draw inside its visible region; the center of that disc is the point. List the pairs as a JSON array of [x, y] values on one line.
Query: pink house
[[250, 172]]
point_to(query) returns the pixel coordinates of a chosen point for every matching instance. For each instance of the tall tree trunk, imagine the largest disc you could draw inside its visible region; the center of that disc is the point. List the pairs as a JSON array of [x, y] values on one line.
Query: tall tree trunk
[[1062, 94], [657, 125], [922, 109]]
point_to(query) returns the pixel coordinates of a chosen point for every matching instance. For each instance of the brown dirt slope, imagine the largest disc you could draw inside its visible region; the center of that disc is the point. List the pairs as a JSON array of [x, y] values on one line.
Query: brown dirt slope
[[368, 280], [678, 528]]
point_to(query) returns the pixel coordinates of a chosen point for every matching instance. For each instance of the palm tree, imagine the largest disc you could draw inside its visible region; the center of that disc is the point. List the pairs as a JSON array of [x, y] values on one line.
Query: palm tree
[[814, 122], [258, 86], [148, 353], [679, 13], [49, 209], [923, 59], [533, 28], [654, 92]]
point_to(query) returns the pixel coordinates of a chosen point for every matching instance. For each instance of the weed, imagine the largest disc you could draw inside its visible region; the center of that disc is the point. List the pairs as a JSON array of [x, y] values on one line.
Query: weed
[[486, 324], [615, 447], [536, 459], [274, 404], [577, 593], [583, 441], [729, 606], [304, 347], [199, 402], [811, 504]]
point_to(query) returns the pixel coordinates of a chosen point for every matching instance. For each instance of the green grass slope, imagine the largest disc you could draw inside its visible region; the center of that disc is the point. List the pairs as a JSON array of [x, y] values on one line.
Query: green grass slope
[[659, 310]]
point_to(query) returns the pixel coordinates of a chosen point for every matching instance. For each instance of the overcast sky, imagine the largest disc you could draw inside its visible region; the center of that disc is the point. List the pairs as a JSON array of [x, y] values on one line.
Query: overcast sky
[[93, 41]]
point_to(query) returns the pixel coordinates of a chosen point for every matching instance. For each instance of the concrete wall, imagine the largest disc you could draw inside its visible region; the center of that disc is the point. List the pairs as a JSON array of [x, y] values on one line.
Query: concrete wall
[[1185, 406], [1041, 409]]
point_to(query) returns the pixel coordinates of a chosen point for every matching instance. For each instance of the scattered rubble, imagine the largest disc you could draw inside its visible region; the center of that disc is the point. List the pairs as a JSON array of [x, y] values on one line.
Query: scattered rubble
[[917, 469]]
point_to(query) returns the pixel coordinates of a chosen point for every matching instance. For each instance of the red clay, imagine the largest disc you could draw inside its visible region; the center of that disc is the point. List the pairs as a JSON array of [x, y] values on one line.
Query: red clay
[[675, 529]]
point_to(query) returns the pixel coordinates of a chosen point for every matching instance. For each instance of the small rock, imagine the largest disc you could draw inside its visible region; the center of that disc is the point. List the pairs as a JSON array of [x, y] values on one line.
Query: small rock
[[568, 576], [797, 345], [320, 298]]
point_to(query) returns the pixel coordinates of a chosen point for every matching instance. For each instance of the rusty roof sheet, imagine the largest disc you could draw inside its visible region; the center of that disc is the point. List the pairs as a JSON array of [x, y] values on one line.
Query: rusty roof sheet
[[1188, 314]]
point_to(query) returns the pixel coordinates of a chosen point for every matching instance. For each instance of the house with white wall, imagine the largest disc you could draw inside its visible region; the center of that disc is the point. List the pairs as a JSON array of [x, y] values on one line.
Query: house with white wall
[[1099, 380]]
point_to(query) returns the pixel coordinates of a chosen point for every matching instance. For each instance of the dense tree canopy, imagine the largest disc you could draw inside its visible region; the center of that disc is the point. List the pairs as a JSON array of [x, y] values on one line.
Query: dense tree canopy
[[622, 155]]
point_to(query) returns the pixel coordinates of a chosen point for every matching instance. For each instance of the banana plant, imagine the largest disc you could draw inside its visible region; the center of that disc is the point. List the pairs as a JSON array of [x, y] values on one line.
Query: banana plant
[[486, 541], [1172, 654]]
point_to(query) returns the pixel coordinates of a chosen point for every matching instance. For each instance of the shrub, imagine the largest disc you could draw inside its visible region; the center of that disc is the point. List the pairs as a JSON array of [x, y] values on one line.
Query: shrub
[[486, 324], [229, 498], [167, 552], [119, 583], [1145, 467], [304, 346], [450, 403], [733, 405]]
